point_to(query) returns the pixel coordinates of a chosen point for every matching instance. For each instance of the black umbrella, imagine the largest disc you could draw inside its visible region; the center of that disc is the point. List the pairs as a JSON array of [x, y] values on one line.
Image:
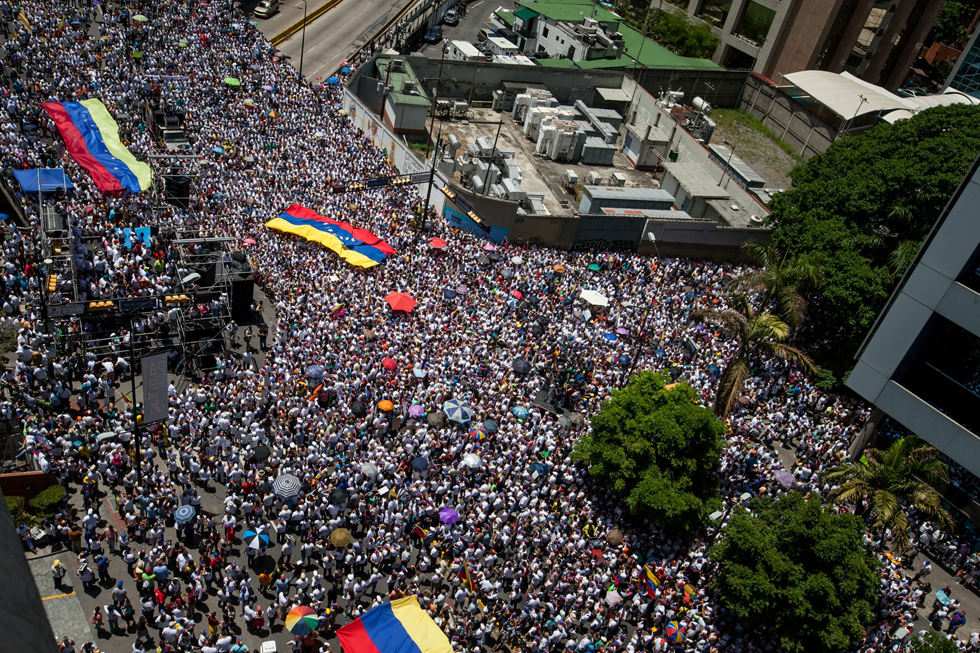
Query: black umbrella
[[675, 372], [534, 299], [420, 464], [523, 305], [483, 260], [339, 495], [262, 453], [490, 426], [537, 330], [506, 273], [495, 257], [521, 366], [543, 321], [357, 407], [449, 294], [564, 422]]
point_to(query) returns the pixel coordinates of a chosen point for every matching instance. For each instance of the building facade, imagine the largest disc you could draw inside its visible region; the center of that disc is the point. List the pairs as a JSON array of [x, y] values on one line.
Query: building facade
[[965, 76], [921, 362], [876, 40]]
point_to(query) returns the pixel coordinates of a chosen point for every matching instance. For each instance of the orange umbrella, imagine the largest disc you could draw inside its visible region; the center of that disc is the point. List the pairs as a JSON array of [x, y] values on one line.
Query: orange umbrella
[[437, 243], [401, 302], [389, 363], [560, 269], [385, 405]]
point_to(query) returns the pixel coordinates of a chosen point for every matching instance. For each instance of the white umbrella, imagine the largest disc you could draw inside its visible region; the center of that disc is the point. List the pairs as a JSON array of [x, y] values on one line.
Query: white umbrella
[[369, 469], [472, 460], [594, 298]]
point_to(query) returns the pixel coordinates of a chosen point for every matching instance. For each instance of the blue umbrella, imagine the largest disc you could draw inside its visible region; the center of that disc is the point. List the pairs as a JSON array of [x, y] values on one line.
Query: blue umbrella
[[314, 372], [345, 69], [419, 374], [611, 337], [286, 486], [623, 359], [184, 514], [457, 411], [714, 369], [689, 294], [449, 294], [217, 150], [254, 540], [520, 412], [660, 352], [332, 80], [539, 468]]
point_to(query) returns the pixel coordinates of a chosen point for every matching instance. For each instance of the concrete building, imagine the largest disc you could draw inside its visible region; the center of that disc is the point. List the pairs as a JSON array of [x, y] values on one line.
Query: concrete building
[[406, 104], [965, 76], [876, 40], [921, 362]]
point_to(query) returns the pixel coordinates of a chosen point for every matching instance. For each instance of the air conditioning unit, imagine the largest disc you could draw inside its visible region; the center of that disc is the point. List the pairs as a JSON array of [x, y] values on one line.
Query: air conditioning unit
[[594, 178], [618, 179], [409, 88]]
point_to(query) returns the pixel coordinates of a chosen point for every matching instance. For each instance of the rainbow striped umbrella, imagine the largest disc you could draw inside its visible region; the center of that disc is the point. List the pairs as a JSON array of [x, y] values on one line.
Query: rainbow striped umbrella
[[302, 620], [673, 631], [479, 432]]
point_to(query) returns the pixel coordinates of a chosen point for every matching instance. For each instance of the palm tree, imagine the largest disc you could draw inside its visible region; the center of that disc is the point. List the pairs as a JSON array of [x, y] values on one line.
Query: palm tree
[[893, 477], [782, 278], [754, 331]]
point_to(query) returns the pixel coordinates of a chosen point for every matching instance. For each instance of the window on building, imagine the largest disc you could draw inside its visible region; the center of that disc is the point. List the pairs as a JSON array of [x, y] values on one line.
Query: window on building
[[544, 33], [967, 76], [715, 12], [874, 27], [755, 23], [945, 372], [571, 53]]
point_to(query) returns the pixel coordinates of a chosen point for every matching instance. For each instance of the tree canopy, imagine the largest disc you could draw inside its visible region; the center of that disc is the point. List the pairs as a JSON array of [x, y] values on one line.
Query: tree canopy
[[799, 571], [932, 642], [861, 206], [659, 450]]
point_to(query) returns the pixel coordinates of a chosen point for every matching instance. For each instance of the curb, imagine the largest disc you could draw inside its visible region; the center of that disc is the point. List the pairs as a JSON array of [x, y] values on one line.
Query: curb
[[310, 17]]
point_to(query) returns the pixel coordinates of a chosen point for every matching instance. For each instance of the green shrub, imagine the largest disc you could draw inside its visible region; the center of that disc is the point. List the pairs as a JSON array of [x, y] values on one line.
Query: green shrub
[[46, 503], [18, 511]]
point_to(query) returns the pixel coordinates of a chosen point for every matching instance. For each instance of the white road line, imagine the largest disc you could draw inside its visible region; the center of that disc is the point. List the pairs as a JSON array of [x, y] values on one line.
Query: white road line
[[475, 4]]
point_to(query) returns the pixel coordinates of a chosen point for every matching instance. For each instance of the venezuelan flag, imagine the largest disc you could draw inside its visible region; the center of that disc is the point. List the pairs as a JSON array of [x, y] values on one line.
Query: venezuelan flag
[[397, 627], [651, 580], [358, 247], [92, 138]]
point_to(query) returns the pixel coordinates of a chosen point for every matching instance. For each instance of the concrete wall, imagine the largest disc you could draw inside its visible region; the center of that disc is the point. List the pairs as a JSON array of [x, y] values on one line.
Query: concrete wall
[[26, 484], [727, 84], [804, 132], [698, 239]]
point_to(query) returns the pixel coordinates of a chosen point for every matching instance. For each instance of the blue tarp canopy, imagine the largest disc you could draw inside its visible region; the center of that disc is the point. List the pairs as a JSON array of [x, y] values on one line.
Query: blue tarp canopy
[[43, 179]]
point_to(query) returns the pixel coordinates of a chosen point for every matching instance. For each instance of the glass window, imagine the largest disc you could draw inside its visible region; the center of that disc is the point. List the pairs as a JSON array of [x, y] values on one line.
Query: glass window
[[715, 12], [945, 372], [755, 23], [971, 275], [967, 76]]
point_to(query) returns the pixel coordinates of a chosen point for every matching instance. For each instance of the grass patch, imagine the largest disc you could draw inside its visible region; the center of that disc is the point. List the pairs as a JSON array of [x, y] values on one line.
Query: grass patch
[[420, 149], [729, 118]]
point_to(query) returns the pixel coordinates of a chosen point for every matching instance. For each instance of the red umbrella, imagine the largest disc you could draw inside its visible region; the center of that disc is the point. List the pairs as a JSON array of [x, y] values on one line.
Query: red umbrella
[[401, 302], [437, 243], [517, 294], [389, 364]]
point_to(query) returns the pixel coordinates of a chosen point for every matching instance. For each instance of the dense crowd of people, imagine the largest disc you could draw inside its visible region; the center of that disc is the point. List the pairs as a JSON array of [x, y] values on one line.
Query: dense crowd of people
[[528, 562]]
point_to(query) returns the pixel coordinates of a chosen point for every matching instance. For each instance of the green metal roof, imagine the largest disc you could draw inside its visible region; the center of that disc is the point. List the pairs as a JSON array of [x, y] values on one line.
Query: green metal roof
[[397, 82], [649, 53], [506, 17], [524, 13]]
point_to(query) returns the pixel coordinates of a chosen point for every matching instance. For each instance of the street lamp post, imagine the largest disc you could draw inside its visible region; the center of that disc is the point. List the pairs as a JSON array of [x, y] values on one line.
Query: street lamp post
[[853, 118], [302, 43], [643, 329]]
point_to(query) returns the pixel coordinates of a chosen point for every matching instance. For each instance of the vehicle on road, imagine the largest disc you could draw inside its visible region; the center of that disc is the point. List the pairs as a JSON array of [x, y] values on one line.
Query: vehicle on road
[[483, 35], [266, 8], [433, 34], [451, 17]]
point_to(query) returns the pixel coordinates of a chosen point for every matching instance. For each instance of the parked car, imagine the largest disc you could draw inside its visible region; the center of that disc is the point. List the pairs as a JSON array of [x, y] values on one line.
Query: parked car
[[433, 34], [266, 8], [483, 35], [451, 17]]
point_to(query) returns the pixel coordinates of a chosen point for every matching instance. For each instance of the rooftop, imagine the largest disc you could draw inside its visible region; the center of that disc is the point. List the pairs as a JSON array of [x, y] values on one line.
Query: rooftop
[[647, 52], [396, 80], [696, 181], [540, 175]]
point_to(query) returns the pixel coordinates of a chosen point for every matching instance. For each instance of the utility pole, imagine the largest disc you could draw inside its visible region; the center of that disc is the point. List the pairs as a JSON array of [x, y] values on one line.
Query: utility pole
[[302, 45], [136, 424]]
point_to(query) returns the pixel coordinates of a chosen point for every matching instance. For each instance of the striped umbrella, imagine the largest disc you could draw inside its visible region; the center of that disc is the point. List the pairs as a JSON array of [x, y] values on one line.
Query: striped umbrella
[[184, 514], [478, 432], [286, 486], [457, 411], [674, 632], [301, 620], [254, 540]]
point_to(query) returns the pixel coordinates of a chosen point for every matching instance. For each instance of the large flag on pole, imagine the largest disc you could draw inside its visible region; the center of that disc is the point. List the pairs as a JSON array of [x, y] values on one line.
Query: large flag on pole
[[397, 627], [92, 138]]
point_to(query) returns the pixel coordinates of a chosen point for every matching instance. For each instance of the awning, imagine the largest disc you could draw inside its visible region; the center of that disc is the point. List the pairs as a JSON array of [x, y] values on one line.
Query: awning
[[613, 94], [845, 94], [43, 179], [524, 13]]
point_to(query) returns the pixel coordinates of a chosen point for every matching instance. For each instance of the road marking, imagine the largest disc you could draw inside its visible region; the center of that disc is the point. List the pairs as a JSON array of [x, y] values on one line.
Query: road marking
[[57, 596], [475, 4]]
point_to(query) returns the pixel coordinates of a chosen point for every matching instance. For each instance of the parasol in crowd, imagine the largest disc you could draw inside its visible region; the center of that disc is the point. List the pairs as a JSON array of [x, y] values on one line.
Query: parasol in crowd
[[286, 486], [301, 620], [184, 514], [341, 537], [448, 516]]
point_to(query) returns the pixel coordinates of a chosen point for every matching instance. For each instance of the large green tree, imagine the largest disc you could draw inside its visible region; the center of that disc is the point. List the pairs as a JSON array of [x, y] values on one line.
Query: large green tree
[[659, 450], [852, 207], [891, 479], [798, 570]]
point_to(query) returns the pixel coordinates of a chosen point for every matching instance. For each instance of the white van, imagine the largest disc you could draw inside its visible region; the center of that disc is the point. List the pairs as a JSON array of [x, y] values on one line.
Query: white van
[[266, 8], [497, 45], [463, 51]]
